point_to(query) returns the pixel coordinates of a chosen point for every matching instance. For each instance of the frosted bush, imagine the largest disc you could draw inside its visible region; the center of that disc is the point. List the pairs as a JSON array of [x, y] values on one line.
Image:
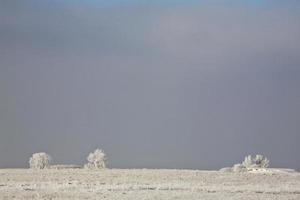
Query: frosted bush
[[96, 160], [249, 163], [259, 161], [39, 161]]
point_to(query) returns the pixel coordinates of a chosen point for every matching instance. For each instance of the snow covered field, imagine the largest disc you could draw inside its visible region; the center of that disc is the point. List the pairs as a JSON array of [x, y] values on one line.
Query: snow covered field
[[146, 184]]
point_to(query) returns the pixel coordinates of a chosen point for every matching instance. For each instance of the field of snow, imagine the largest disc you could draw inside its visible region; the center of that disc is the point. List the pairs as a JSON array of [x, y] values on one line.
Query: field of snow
[[146, 184]]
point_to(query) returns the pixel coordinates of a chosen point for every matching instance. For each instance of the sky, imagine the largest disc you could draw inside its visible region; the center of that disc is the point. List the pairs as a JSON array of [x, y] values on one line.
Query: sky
[[155, 84]]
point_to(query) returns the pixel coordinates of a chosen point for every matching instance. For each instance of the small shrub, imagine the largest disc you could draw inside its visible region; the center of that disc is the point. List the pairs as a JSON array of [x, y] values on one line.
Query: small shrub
[[96, 160], [258, 162], [248, 162], [261, 161], [39, 161]]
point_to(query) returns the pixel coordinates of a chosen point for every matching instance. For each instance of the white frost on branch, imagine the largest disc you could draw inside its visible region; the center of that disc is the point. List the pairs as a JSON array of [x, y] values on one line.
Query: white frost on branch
[[39, 161], [259, 161], [96, 160]]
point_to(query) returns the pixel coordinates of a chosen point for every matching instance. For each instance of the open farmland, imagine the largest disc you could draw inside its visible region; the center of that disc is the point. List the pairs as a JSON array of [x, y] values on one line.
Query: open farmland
[[146, 184]]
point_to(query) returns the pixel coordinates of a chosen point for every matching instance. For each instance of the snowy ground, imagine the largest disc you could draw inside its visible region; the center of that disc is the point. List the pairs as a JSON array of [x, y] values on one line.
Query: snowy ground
[[146, 184]]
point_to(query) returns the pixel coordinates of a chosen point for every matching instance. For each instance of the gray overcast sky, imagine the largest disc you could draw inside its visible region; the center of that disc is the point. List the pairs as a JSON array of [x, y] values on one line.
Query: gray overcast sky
[[156, 84]]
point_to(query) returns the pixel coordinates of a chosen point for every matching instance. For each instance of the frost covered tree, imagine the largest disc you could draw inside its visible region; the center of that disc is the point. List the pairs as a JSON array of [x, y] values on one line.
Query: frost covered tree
[[96, 160], [39, 161], [249, 163], [259, 161]]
